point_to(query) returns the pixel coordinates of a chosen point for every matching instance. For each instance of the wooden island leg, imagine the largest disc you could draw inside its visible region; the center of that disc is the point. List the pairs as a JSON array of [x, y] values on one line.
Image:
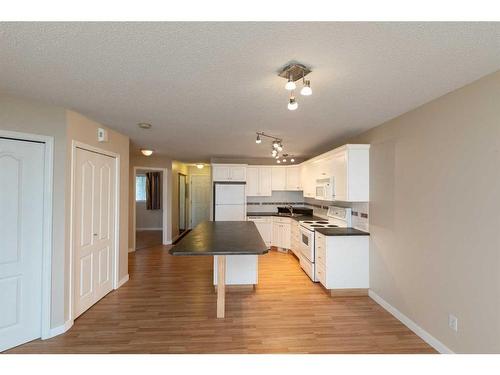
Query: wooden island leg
[[221, 285]]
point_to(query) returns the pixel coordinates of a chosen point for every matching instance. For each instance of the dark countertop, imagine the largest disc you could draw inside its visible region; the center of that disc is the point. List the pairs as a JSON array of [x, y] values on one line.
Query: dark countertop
[[341, 232], [221, 238], [296, 218]]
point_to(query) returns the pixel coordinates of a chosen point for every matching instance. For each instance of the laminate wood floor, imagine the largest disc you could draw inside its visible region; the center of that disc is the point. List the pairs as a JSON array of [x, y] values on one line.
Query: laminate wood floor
[[169, 306], [148, 238]]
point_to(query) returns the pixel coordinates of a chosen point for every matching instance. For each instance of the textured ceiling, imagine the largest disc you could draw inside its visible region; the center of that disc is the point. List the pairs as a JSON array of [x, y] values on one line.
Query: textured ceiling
[[207, 87]]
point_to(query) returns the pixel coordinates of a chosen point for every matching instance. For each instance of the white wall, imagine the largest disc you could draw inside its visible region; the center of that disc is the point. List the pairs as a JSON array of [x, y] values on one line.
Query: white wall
[[435, 215]]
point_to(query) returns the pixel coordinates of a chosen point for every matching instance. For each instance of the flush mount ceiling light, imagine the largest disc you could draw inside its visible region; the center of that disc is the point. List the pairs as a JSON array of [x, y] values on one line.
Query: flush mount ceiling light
[[293, 72], [199, 166], [290, 85], [306, 90], [146, 152], [144, 125], [292, 104]]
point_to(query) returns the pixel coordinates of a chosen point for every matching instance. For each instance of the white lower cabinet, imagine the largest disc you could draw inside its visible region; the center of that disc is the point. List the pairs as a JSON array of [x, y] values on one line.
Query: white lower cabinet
[[295, 237], [264, 225], [281, 232], [342, 262]]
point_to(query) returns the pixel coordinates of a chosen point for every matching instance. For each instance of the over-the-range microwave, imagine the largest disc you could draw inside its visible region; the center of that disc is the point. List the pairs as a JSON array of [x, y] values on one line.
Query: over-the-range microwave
[[325, 189]]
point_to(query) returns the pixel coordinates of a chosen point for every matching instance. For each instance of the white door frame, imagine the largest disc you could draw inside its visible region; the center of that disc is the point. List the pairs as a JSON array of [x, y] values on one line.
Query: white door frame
[[116, 250], [47, 222], [165, 219]]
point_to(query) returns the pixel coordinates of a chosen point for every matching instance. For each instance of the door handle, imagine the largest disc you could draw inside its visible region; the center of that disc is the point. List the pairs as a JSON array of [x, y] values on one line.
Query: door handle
[[95, 234]]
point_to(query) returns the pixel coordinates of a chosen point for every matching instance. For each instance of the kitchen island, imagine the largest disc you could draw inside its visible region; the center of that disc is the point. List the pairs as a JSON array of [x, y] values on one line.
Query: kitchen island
[[221, 239]]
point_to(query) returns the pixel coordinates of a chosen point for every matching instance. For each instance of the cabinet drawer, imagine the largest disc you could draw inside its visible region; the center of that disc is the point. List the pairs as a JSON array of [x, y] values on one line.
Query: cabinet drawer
[[282, 220], [321, 274], [320, 255]]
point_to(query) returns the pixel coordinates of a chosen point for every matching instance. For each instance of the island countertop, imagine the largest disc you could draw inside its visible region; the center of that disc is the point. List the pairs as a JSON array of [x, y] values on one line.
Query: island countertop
[[221, 238]]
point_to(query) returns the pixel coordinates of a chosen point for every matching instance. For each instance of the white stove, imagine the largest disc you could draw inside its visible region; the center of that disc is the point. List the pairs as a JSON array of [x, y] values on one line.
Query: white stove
[[337, 217]]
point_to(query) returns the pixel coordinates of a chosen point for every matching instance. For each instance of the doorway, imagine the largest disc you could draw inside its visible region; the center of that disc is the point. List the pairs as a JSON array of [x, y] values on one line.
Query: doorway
[[148, 208], [200, 199], [182, 188], [26, 169]]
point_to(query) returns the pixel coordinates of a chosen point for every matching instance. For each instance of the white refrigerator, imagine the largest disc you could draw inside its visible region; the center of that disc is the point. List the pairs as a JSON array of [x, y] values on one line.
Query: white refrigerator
[[230, 202], [230, 205]]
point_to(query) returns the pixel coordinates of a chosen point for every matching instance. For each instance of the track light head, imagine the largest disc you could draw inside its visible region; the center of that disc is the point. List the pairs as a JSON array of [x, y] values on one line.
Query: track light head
[[258, 140]]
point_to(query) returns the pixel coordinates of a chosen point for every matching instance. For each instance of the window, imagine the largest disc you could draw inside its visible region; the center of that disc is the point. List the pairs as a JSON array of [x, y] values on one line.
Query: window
[[140, 188]]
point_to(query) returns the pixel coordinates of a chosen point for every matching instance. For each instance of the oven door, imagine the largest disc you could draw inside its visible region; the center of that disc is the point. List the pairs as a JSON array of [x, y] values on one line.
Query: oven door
[[307, 244]]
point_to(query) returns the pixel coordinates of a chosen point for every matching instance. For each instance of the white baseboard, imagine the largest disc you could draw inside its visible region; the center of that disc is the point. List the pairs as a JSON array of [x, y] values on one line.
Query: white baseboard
[[122, 281], [419, 331], [131, 250], [168, 243], [137, 229], [59, 330]]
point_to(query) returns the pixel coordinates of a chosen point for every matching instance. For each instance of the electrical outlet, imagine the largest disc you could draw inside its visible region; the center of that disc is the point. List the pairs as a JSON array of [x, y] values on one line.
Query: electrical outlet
[[453, 322]]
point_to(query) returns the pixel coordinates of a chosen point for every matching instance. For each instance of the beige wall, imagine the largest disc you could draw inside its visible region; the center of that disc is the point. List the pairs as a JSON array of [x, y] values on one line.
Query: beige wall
[[154, 161], [435, 215], [27, 116]]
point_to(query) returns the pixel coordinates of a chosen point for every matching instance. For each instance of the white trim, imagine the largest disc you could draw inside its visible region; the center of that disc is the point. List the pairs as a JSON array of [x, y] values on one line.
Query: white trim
[[419, 331], [165, 218], [130, 250], [47, 222], [123, 280], [59, 330], [116, 253], [137, 229]]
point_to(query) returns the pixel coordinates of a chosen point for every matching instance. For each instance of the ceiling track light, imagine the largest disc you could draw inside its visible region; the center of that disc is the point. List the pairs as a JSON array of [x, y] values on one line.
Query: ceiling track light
[[258, 140]]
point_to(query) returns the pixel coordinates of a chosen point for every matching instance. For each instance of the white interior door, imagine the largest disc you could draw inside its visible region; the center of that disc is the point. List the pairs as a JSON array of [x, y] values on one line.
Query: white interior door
[[200, 199], [21, 240], [94, 227]]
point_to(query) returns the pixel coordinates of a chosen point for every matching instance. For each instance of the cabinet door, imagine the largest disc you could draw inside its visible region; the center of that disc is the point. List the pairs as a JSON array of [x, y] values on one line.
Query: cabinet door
[[278, 178], [238, 173], [253, 182], [276, 237], [285, 235], [293, 178], [220, 173], [265, 231], [265, 181], [339, 167]]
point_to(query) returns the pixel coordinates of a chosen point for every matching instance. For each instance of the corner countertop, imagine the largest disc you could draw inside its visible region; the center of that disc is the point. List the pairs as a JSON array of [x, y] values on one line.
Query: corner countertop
[[296, 218], [341, 232], [221, 238]]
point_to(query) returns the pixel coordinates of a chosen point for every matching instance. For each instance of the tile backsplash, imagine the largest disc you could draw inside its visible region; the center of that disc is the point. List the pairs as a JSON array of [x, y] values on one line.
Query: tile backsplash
[[270, 204], [360, 215]]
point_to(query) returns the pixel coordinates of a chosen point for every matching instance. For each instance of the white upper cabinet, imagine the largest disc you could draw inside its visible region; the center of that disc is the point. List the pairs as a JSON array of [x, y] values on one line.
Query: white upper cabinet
[[349, 167], [293, 181], [279, 178], [259, 181], [265, 181], [229, 172]]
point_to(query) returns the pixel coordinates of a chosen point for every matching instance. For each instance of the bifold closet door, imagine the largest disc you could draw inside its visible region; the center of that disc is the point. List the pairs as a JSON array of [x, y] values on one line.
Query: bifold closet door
[[21, 240], [93, 228]]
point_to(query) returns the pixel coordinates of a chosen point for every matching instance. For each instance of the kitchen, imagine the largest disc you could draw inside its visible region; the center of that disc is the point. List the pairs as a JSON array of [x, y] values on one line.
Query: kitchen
[[329, 248]]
